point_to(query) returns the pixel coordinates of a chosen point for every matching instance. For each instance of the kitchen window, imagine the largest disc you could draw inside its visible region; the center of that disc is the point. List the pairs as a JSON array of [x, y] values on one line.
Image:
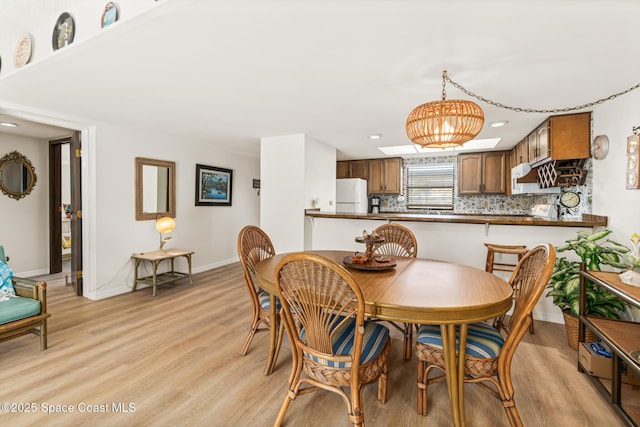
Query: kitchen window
[[430, 186]]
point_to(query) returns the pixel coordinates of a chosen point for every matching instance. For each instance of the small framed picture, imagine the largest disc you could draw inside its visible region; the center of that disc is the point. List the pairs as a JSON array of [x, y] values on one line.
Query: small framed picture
[[213, 186]]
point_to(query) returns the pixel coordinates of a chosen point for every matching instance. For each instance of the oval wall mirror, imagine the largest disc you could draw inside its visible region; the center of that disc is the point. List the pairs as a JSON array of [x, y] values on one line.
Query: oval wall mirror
[[17, 175]]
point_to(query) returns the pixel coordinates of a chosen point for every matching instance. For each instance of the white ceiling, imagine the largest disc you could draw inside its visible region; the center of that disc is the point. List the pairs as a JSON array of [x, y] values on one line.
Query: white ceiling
[[230, 72]]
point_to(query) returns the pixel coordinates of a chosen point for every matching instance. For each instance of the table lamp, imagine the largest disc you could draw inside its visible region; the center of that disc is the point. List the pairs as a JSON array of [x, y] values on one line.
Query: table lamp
[[165, 225]]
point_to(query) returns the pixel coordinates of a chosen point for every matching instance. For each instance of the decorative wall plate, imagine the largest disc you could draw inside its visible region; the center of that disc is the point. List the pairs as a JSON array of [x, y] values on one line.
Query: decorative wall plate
[[22, 54], [600, 147], [63, 31], [109, 14], [633, 165]]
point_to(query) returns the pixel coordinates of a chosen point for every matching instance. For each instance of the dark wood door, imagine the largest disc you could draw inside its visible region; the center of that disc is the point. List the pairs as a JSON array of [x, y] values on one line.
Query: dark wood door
[[76, 212]]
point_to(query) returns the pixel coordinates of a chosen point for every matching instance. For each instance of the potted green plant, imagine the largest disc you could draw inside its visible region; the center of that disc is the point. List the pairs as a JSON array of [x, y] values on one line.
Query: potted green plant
[[564, 285]]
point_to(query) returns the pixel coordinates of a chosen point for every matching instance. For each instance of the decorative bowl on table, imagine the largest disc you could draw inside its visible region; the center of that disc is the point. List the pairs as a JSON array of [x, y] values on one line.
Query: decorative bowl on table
[[369, 260]]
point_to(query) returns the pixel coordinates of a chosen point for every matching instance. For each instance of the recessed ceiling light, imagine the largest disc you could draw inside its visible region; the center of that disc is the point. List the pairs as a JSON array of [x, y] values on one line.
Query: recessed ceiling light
[[8, 124], [375, 136], [498, 123]]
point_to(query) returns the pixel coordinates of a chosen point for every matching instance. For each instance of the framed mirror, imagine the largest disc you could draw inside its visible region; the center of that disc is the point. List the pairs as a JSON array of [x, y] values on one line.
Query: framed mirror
[[155, 189], [17, 175]]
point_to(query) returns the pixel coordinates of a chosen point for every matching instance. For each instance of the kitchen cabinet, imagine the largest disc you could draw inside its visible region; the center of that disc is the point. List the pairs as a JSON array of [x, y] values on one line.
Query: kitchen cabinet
[[482, 173], [561, 137], [519, 154], [621, 336], [385, 176], [351, 169], [342, 170]]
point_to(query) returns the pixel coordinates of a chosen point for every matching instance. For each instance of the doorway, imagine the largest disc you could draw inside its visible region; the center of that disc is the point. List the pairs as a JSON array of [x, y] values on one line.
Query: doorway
[[65, 212]]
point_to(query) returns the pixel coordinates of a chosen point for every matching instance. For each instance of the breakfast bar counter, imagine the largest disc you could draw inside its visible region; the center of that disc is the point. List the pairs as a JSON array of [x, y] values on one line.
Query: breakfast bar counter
[[587, 220]]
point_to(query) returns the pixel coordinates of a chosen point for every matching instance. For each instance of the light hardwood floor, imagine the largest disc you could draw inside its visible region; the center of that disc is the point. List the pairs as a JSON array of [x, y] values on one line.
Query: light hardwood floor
[[176, 359]]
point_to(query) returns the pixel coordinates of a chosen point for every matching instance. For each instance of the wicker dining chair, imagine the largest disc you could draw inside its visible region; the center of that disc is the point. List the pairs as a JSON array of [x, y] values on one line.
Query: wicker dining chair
[[253, 246], [399, 241], [490, 350], [331, 341]]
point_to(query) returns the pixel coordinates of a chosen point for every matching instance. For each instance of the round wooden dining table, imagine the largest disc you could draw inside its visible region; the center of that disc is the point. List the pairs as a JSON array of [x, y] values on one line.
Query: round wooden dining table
[[423, 291]]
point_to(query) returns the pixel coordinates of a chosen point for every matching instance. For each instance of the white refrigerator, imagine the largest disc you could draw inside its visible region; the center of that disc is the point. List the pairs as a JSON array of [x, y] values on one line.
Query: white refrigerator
[[351, 195]]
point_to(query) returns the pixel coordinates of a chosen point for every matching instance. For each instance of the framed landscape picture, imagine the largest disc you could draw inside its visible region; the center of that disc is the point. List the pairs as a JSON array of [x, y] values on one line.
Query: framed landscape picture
[[213, 186]]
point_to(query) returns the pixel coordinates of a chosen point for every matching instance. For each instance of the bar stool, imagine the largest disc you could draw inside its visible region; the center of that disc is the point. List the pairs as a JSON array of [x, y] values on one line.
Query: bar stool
[[491, 265]]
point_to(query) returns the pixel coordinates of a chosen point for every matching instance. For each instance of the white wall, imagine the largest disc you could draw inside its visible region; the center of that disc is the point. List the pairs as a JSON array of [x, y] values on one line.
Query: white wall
[[24, 229], [210, 231], [610, 196], [295, 169], [320, 175]]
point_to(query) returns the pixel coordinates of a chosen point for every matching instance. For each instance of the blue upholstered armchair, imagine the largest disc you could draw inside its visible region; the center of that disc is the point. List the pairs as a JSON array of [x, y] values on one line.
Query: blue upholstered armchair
[[26, 312]]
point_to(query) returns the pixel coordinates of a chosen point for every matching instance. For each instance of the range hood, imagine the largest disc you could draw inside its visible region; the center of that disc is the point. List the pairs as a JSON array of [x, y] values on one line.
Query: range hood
[[523, 181]]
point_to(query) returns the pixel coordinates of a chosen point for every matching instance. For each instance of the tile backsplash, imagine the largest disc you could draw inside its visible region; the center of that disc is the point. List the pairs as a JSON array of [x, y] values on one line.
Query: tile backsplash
[[518, 204]]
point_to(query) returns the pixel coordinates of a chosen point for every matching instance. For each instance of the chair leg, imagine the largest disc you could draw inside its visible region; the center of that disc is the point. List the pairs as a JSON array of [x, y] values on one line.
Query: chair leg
[[356, 411], [512, 413], [294, 385], [531, 330], [273, 356], [382, 384], [43, 335], [408, 341], [505, 389], [422, 389], [283, 411], [252, 331]]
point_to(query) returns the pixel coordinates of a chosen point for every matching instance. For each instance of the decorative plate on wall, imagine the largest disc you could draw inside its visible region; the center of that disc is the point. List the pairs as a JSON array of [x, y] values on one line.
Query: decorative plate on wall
[[63, 31], [22, 54], [600, 147], [109, 14]]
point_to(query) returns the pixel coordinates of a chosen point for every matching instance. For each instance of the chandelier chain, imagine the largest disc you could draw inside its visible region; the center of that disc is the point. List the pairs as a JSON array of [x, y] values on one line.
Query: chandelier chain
[[444, 85], [445, 77]]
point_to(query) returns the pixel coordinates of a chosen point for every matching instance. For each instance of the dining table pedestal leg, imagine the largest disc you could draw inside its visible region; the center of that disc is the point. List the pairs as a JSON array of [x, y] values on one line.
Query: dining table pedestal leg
[[454, 360]]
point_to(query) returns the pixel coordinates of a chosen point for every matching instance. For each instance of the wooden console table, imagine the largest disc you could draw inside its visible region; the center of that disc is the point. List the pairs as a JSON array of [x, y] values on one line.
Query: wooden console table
[[155, 258]]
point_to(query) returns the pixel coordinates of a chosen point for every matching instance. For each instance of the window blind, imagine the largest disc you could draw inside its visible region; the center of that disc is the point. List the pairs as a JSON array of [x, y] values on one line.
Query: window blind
[[430, 186]]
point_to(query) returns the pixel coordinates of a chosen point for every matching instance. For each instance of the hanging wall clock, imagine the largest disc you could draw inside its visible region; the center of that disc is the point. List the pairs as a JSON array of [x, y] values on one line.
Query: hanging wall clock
[[22, 54], [63, 31], [569, 199], [109, 14]]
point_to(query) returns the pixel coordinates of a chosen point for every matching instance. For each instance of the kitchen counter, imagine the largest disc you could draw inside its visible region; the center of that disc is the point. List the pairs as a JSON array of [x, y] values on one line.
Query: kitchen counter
[[587, 220]]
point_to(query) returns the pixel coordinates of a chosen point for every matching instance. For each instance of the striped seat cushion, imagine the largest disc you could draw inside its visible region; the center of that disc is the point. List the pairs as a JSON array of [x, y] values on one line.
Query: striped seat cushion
[[483, 341], [265, 301], [374, 340]]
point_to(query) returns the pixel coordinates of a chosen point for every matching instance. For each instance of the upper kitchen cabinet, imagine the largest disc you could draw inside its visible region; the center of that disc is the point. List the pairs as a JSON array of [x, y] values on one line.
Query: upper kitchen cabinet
[[520, 153], [563, 137], [385, 176], [482, 173], [351, 169]]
